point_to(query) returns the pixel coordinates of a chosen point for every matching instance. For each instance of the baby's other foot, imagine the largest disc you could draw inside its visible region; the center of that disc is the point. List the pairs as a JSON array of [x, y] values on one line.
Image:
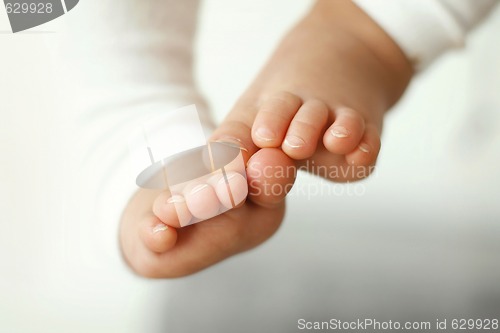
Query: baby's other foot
[[154, 245], [201, 200]]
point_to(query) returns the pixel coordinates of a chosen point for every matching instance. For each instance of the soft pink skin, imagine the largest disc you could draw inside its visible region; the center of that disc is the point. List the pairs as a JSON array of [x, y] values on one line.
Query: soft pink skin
[[178, 251], [238, 187], [203, 202], [336, 68]]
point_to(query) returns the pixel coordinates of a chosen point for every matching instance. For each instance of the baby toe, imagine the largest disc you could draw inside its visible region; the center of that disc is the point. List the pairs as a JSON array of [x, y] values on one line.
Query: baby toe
[[271, 174], [202, 201], [156, 235], [345, 133], [273, 118], [305, 129], [231, 190], [368, 148], [172, 210]]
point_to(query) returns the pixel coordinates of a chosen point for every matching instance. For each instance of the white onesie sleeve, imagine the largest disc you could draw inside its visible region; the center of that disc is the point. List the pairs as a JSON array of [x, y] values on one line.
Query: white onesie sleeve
[[424, 29], [123, 63]]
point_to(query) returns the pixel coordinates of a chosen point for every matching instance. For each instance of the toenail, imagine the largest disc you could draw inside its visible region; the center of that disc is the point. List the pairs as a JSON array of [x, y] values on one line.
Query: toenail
[[293, 141], [160, 227], [364, 148], [264, 134], [176, 199], [198, 188], [339, 132]]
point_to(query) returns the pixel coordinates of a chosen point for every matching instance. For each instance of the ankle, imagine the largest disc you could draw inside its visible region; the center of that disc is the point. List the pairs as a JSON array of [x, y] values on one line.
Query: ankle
[[345, 16]]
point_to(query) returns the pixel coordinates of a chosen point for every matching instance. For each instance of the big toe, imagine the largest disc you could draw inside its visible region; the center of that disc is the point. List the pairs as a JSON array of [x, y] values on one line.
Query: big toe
[[271, 174]]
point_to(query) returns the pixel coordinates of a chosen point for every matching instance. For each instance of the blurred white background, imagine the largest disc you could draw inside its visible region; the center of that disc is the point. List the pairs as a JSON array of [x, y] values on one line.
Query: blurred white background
[[422, 242]]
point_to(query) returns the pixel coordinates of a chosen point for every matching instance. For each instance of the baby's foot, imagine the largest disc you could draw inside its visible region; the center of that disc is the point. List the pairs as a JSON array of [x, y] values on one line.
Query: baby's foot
[[322, 96], [340, 142], [155, 246]]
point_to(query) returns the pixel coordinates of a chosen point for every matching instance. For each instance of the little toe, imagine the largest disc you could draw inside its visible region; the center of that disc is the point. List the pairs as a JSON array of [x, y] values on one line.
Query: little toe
[[202, 201], [172, 210], [344, 134], [367, 151], [156, 235], [273, 118], [305, 129]]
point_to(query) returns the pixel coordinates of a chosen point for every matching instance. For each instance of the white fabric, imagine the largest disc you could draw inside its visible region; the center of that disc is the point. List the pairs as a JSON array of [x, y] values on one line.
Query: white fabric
[[116, 65], [132, 63], [424, 29]]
